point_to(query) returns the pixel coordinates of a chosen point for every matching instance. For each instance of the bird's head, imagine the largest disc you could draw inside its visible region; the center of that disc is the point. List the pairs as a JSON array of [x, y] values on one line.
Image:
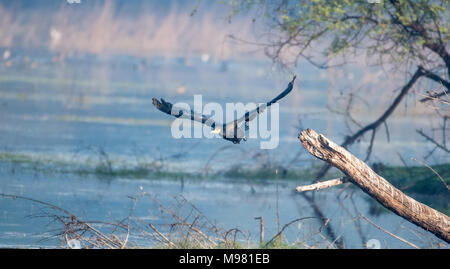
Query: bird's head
[[216, 131]]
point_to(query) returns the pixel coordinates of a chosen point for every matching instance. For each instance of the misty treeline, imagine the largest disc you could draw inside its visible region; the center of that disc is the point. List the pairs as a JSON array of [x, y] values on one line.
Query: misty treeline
[[141, 28]]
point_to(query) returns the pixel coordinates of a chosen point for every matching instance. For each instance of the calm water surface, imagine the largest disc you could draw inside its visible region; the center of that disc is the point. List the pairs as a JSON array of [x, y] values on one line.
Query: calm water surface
[[58, 119]]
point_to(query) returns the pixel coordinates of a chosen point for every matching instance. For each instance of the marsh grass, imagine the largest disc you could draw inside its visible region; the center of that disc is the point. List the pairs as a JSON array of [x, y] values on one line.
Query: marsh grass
[[180, 225]]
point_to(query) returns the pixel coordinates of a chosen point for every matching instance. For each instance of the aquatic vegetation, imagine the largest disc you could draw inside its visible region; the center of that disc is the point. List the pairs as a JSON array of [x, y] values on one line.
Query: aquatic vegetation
[[100, 164], [419, 182], [417, 179], [412, 179]]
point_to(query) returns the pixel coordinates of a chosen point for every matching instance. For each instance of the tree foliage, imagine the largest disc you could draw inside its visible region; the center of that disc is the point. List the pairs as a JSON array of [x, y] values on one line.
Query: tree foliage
[[412, 34], [395, 30]]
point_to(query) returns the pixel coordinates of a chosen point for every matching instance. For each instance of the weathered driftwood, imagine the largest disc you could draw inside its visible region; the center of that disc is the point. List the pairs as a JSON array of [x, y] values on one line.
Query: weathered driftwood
[[376, 186], [321, 185]]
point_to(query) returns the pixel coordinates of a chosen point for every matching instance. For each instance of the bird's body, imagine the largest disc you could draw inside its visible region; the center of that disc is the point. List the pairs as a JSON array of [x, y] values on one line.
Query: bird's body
[[233, 131]]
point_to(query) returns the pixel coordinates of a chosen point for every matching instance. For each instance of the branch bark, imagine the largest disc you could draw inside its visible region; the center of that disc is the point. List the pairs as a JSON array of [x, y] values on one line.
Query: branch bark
[[376, 186]]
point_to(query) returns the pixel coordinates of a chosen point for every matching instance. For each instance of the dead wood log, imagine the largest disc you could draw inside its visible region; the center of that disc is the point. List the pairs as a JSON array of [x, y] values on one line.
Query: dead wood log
[[376, 186]]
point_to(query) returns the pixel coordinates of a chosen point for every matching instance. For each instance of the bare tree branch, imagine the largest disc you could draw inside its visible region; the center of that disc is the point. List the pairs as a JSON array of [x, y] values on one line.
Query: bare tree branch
[[374, 125], [433, 141], [437, 79]]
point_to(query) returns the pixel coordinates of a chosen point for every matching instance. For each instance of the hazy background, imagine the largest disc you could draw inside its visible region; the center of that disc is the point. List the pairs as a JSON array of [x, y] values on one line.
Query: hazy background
[[78, 128]]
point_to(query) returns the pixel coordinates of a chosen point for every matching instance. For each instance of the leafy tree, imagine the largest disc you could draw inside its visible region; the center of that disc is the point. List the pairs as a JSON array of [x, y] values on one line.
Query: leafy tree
[[404, 30]]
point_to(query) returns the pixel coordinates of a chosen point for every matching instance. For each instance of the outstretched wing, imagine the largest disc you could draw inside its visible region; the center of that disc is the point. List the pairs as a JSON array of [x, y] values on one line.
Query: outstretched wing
[[250, 115], [178, 112]]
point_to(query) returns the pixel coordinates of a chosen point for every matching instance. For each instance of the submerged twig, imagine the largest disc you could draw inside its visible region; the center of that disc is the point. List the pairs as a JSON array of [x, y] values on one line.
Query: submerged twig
[[389, 233]]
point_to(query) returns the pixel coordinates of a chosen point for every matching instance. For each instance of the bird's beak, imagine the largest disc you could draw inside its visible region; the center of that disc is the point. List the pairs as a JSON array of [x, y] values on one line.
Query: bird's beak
[[215, 131]]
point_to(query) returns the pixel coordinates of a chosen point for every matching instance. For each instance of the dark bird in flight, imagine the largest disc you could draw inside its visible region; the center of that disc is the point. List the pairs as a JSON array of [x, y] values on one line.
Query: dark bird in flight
[[233, 131]]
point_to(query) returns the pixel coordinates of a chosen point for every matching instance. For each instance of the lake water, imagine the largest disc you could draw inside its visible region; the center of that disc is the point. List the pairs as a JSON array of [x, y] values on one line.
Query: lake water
[[61, 121]]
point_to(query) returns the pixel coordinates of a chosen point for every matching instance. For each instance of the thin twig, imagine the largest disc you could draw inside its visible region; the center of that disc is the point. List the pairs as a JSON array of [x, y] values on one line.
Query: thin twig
[[161, 235], [434, 171], [285, 226], [389, 233], [433, 141]]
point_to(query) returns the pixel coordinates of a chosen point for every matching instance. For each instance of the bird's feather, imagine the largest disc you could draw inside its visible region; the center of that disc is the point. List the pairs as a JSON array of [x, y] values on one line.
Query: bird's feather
[[250, 115], [178, 112]]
